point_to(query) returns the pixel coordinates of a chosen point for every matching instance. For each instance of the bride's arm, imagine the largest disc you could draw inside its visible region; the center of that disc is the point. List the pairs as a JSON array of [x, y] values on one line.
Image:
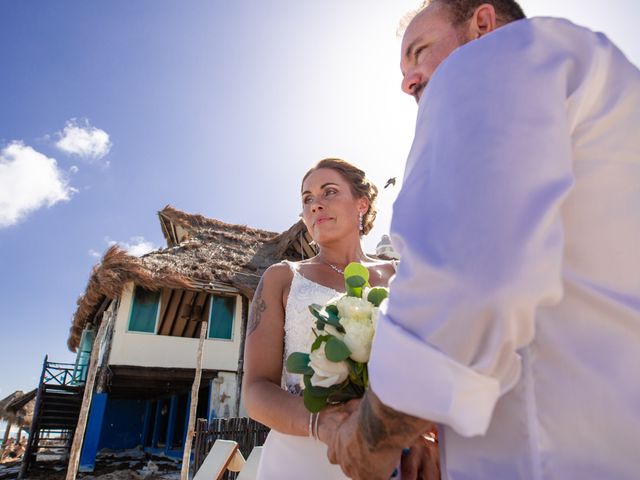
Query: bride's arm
[[265, 401]]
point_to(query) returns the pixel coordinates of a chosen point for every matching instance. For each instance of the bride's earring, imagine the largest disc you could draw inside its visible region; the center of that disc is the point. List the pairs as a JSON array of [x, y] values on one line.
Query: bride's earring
[[360, 226]]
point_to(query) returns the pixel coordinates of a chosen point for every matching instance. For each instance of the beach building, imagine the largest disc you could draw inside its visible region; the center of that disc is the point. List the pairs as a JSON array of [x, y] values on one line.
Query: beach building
[[143, 314]]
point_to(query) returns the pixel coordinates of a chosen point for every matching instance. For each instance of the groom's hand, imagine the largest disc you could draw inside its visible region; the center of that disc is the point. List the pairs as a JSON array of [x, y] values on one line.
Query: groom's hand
[[350, 450], [421, 460], [368, 445]]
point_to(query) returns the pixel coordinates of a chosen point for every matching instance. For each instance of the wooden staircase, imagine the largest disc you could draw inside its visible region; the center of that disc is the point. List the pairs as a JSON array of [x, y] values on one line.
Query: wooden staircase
[[55, 414]]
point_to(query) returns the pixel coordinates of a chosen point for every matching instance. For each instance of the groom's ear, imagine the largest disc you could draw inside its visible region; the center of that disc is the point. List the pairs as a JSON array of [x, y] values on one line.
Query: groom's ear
[[483, 21]]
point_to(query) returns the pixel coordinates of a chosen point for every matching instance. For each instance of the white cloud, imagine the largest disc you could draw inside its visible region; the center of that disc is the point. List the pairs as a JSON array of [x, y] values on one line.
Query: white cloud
[[74, 169], [136, 246], [29, 180], [83, 140], [94, 253]]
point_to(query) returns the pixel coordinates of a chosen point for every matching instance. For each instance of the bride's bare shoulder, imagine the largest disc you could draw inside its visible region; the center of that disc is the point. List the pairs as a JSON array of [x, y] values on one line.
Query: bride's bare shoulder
[[277, 277], [386, 269]]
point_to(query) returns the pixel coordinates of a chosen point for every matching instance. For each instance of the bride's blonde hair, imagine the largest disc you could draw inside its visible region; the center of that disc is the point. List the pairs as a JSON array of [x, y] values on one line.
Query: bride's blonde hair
[[360, 186]]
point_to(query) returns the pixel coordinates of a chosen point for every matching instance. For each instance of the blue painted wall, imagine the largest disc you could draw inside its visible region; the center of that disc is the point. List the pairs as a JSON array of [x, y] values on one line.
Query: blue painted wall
[[123, 424], [92, 435]]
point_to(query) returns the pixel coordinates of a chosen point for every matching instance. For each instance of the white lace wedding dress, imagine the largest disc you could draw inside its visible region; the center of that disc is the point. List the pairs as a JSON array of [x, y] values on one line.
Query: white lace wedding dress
[[291, 457]]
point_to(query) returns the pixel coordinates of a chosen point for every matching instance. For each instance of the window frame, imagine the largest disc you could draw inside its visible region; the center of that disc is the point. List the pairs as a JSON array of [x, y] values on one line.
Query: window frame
[[133, 301], [233, 317]]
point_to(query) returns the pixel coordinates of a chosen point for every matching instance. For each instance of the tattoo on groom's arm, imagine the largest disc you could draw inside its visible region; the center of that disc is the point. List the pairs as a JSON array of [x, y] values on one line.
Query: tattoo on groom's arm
[[373, 428], [258, 306], [383, 426]]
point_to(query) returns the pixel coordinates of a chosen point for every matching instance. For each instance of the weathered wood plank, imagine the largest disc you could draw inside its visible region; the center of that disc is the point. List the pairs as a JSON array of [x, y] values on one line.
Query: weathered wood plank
[[180, 321], [165, 299], [184, 474], [191, 329], [76, 446], [172, 309]]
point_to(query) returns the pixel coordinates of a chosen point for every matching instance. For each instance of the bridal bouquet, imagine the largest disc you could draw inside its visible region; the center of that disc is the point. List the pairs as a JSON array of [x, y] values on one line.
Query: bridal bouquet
[[336, 368]]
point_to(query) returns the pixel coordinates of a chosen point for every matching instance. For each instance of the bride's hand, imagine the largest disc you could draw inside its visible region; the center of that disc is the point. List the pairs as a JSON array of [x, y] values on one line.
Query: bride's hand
[[332, 417]]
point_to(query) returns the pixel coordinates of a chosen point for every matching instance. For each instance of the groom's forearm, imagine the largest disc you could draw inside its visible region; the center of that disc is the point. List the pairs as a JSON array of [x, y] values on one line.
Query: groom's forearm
[[383, 427]]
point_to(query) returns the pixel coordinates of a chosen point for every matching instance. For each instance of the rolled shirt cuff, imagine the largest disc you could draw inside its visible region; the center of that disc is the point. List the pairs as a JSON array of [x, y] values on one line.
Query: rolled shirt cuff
[[412, 377]]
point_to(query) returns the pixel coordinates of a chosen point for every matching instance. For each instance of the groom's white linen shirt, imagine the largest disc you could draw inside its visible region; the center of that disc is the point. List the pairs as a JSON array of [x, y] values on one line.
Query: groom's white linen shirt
[[514, 317]]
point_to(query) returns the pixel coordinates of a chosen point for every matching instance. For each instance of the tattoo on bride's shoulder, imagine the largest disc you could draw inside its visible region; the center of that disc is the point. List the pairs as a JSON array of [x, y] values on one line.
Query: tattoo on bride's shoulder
[[258, 306]]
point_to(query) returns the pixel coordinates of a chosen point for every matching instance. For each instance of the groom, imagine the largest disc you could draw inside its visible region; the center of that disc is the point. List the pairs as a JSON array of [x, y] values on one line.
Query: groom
[[514, 318]]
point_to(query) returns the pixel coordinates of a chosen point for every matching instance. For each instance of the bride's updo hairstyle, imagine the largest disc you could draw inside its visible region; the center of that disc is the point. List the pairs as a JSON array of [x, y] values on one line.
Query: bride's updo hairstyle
[[360, 186]]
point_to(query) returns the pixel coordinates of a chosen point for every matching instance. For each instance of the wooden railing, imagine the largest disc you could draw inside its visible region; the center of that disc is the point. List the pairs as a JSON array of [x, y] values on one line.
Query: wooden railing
[[247, 432], [58, 373]]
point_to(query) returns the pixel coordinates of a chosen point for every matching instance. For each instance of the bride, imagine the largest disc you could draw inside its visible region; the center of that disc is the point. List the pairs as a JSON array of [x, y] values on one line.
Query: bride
[[338, 207]]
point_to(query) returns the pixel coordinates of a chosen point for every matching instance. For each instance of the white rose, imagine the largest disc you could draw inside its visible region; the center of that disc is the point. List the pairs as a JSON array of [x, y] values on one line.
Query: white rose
[[335, 300], [358, 338], [366, 291], [326, 373], [375, 314], [354, 308]]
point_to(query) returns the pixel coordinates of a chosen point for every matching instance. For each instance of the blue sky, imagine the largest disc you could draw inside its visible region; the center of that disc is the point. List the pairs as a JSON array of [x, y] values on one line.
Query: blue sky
[[111, 110]]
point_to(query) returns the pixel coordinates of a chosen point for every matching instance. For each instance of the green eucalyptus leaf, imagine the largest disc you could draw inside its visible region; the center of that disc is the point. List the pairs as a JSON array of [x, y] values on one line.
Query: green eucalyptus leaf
[[313, 403], [365, 376], [336, 350], [377, 295], [347, 392], [316, 312], [332, 311], [315, 391], [298, 362], [335, 322], [318, 341], [356, 281], [355, 269], [356, 371], [354, 292]]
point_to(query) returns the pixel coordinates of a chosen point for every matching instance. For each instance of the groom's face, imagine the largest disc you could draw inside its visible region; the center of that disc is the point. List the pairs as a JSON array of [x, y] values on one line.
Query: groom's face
[[428, 40]]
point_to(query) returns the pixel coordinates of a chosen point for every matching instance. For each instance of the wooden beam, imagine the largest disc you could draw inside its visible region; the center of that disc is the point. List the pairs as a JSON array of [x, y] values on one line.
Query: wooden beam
[[180, 322], [186, 457], [165, 299], [243, 333], [172, 312], [186, 308], [200, 302], [78, 437], [308, 250]]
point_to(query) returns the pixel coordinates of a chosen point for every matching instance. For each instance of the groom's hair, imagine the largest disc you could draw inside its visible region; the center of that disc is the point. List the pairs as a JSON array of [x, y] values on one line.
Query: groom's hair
[[462, 10]]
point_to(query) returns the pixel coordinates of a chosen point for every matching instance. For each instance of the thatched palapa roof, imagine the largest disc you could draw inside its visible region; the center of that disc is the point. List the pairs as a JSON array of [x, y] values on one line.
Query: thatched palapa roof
[[17, 408], [202, 253]]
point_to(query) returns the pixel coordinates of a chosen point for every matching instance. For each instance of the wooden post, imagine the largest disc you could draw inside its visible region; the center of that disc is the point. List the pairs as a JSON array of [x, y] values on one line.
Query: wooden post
[[243, 339], [78, 436], [186, 456]]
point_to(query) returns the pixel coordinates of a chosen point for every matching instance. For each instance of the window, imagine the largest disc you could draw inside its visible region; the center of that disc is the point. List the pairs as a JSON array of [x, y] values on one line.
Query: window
[[221, 317], [144, 311], [83, 356]]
